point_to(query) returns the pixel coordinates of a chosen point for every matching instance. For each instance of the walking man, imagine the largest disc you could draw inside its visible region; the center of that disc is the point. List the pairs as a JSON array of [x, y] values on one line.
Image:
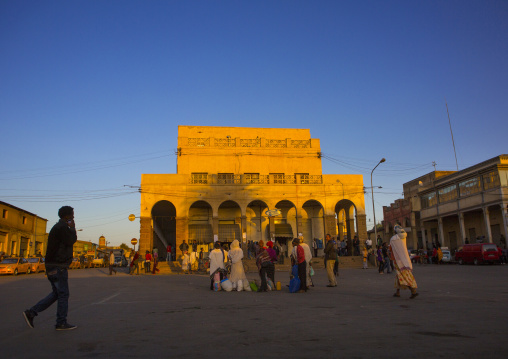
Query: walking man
[[403, 267], [111, 263], [330, 258], [58, 258]]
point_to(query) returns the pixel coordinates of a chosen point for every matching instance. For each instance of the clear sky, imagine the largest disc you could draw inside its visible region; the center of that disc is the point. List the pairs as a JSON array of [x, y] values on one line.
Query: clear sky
[[92, 92]]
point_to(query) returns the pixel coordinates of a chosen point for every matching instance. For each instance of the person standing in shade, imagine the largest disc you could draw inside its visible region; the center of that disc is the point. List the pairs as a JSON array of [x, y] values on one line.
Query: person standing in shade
[[184, 247], [330, 258], [111, 263], [404, 278], [356, 246], [315, 247], [169, 253], [61, 238]]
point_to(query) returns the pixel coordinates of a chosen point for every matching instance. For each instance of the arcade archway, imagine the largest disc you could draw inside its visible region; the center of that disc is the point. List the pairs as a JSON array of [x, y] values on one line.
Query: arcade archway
[[164, 226]]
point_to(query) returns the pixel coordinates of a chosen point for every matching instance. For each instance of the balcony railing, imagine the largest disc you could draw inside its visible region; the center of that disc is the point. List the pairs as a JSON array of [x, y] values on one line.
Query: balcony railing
[[230, 179]]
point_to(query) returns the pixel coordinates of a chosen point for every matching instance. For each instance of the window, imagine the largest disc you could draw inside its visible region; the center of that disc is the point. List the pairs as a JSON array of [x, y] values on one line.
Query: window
[[447, 194], [251, 178], [429, 200], [225, 178], [278, 178], [24, 220], [491, 180], [469, 186], [199, 178], [5, 213], [302, 178]]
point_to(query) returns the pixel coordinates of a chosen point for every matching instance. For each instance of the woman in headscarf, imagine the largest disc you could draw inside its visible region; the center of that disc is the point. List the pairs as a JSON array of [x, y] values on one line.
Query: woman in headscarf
[[263, 262], [216, 263], [403, 268], [236, 256], [270, 272]]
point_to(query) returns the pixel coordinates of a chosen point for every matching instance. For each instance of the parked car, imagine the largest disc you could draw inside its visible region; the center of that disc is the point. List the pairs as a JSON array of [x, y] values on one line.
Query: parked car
[[447, 255], [120, 261], [15, 265], [477, 253], [37, 264]]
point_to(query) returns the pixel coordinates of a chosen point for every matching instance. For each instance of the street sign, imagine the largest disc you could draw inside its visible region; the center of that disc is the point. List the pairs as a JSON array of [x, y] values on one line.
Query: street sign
[[273, 212], [134, 241], [132, 217]]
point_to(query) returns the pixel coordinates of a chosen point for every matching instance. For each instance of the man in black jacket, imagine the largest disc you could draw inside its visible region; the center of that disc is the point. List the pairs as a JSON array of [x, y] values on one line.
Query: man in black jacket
[[58, 258]]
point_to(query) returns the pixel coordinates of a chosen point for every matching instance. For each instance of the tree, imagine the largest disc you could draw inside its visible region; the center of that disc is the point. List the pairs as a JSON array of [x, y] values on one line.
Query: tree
[[124, 246]]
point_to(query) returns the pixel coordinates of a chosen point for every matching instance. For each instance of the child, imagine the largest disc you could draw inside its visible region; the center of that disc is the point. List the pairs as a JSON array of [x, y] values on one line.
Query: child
[[365, 255]]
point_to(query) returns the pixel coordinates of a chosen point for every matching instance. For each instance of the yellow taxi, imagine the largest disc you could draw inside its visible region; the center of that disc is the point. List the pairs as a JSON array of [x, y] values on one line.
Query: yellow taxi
[[37, 264], [14, 265]]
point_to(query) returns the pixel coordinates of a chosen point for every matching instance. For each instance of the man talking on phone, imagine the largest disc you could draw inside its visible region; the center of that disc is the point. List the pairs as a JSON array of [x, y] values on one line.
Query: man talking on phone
[[58, 258]]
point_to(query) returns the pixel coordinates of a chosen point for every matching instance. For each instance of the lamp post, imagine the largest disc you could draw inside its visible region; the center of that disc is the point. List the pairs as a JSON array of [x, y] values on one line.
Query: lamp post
[[372, 191]]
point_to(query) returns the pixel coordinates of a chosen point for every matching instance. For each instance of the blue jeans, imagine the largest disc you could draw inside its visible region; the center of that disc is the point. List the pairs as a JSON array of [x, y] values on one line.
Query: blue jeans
[[387, 265], [168, 257], [58, 277]]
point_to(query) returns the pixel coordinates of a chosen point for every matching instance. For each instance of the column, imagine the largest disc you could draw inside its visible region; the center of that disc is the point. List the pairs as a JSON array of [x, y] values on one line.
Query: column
[[504, 211], [215, 227], [271, 231], [424, 240], [145, 234], [462, 227], [362, 227], [486, 218], [330, 225], [440, 230], [182, 233]]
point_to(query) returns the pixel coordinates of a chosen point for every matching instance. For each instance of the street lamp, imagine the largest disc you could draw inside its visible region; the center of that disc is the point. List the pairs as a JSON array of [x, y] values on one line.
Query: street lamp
[[372, 189]]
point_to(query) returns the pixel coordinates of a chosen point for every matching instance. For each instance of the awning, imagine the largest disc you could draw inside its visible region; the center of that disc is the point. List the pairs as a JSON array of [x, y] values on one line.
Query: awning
[[201, 233], [283, 230], [229, 232]]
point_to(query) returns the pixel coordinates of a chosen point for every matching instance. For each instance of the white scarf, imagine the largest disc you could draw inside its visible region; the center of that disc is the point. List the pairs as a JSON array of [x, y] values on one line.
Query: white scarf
[[399, 249]]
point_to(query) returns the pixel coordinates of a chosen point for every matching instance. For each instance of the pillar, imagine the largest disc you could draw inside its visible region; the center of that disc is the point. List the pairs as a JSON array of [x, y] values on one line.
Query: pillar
[[361, 221], [182, 233], [424, 240], [486, 218], [462, 227], [271, 229], [215, 227], [504, 211], [330, 226], [145, 234], [440, 231]]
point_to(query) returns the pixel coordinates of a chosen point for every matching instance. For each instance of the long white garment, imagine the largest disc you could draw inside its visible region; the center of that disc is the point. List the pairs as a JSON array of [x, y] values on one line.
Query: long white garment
[[216, 260], [308, 257], [236, 255], [399, 249]]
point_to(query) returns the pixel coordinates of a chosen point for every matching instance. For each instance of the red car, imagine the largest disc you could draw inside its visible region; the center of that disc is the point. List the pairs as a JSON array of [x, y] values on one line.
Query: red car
[[477, 253]]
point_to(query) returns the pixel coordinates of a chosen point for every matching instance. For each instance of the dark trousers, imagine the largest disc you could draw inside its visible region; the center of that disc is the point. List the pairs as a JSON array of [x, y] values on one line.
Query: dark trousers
[[262, 274], [58, 277], [111, 269], [381, 266], [302, 275], [270, 271]]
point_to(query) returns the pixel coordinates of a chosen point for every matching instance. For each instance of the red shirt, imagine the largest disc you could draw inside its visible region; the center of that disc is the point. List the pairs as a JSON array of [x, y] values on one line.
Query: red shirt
[[168, 249], [148, 257], [300, 254]]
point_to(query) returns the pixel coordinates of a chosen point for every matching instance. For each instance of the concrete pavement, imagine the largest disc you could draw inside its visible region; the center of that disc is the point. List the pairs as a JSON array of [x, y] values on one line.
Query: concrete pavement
[[461, 312]]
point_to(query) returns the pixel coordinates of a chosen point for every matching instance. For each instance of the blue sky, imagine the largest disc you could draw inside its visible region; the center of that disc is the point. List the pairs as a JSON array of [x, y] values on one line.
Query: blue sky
[[92, 92]]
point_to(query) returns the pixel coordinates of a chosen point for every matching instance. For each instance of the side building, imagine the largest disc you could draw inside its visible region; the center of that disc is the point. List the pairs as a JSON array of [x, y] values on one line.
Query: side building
[[21, 233], [229, 177], [456, 207]]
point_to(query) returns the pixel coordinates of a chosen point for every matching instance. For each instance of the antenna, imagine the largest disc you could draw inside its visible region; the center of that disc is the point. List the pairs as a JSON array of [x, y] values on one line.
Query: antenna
[[453, 142], [434, 164]]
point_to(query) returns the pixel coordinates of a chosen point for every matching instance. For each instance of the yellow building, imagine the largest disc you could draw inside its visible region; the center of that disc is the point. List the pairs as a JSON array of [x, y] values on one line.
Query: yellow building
[[21, 233], [229, 177]]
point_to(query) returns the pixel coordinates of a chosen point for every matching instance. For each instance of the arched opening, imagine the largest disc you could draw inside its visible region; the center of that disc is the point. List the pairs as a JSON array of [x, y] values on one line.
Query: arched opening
[[201, 226], [285, 226], [345, 212], [230, 219], [164, 226], [257, 221], [313, 222]]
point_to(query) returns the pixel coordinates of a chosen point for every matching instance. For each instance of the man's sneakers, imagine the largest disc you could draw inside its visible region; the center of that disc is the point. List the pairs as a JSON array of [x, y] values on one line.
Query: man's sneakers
[[29, 318], [65, 326]]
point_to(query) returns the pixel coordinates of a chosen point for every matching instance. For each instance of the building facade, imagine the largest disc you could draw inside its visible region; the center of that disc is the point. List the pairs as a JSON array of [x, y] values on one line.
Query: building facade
[[229, 177], [21, 233], [455, 207]]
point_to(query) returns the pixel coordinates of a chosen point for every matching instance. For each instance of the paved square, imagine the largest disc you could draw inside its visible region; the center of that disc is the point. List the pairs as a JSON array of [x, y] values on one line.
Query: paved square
[[461, 312]]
